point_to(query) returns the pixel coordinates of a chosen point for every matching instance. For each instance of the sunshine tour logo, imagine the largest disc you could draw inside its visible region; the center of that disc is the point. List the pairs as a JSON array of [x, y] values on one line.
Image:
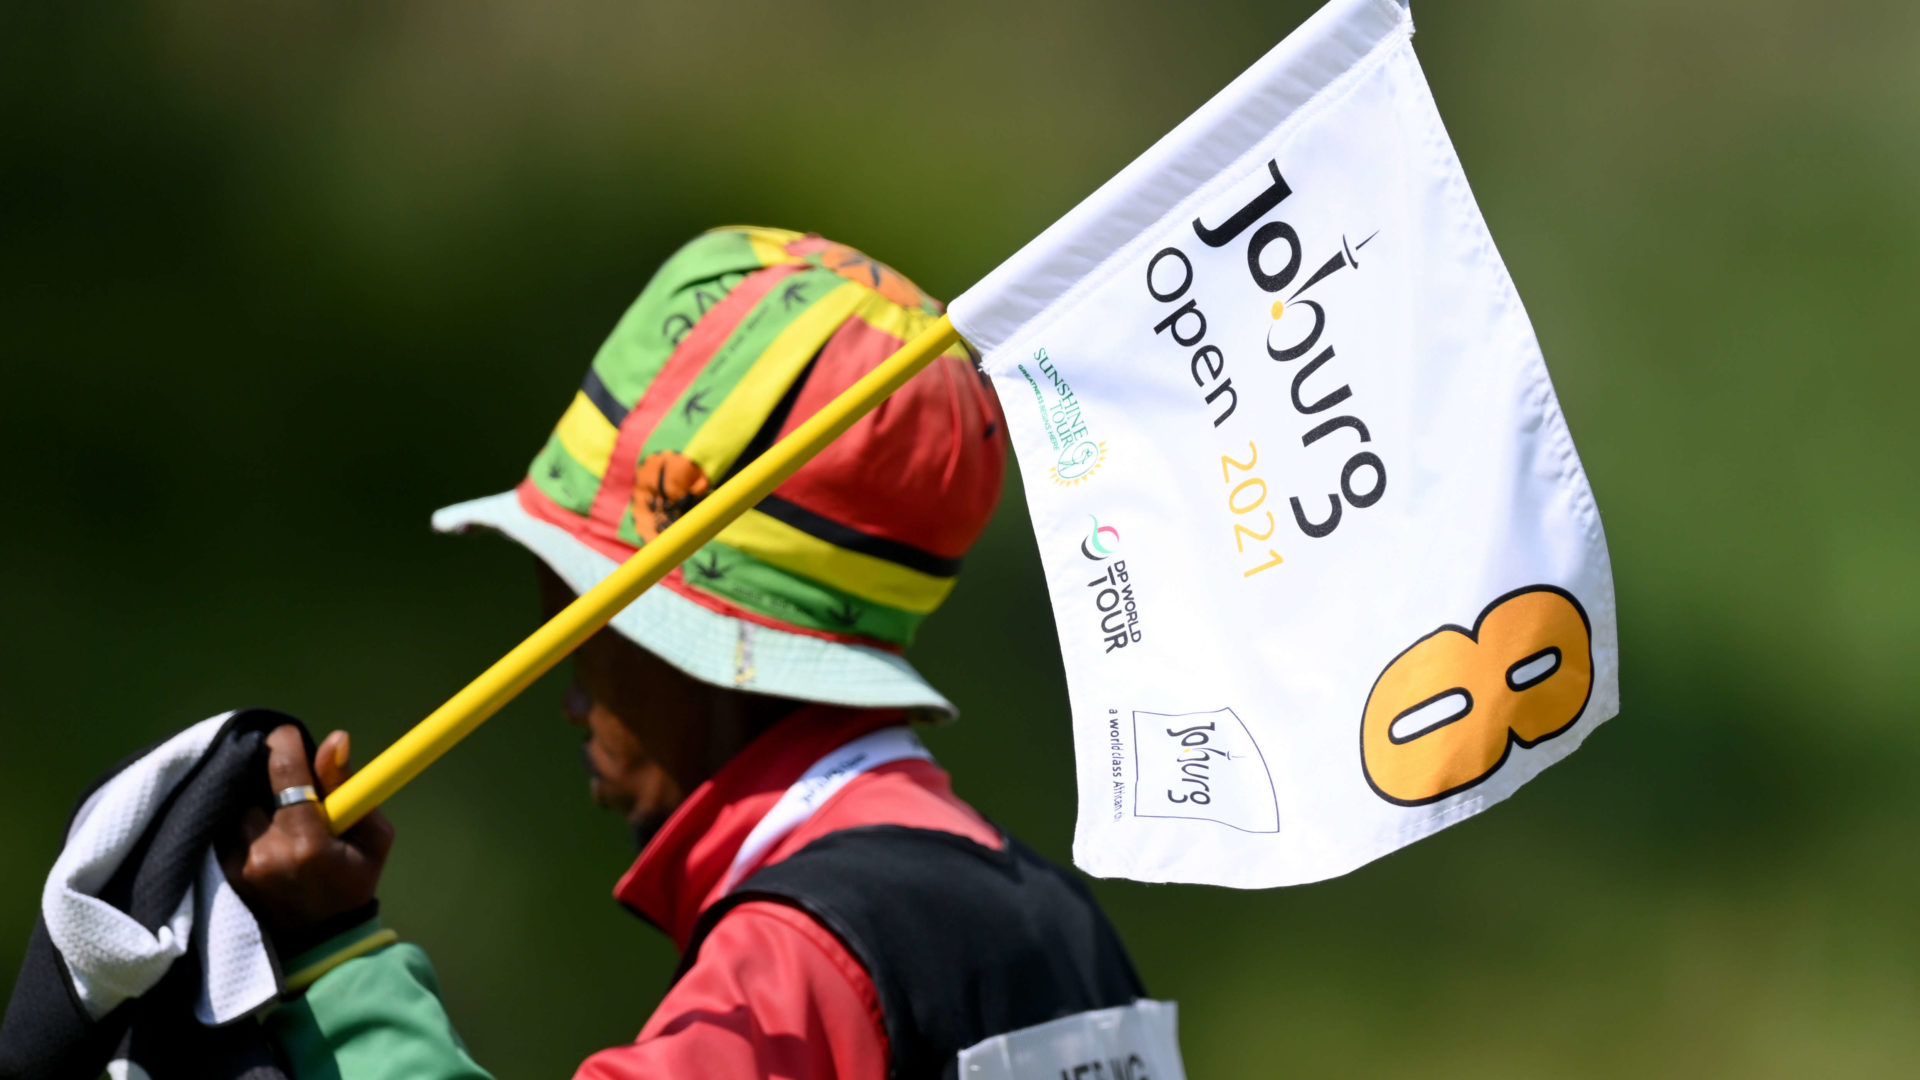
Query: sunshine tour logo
[[1113, 601], [1169, 279], [1078, 453]]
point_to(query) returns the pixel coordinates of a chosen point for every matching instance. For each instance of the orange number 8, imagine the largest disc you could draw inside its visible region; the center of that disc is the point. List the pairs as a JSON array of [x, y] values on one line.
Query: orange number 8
[[1444, 714]]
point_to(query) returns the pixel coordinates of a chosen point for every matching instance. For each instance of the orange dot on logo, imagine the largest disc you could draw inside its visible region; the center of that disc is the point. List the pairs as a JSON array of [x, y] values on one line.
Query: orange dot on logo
[[665, 485]]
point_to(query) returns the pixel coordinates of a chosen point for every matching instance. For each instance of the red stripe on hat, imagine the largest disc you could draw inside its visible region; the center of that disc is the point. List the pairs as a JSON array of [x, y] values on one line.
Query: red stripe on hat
[[688, 359], [924, 468], [541, 507]]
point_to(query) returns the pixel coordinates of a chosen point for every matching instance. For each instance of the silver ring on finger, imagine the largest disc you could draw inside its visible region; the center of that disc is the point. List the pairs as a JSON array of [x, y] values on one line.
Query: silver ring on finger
[[295, 795]]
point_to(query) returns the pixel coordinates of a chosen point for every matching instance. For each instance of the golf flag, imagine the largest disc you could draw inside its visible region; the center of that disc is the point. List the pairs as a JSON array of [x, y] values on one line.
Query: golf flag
[[1326, 571]]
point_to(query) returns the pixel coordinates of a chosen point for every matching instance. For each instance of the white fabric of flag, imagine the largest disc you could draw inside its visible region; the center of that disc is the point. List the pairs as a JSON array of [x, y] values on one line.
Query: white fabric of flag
[[1326, 570]]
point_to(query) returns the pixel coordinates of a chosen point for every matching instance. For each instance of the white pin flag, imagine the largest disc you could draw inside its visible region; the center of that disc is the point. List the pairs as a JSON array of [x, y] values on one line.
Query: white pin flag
[[1326, 570]]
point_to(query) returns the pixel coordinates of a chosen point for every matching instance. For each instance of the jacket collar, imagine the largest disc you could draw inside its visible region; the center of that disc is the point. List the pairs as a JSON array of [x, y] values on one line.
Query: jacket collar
[[680, 871]]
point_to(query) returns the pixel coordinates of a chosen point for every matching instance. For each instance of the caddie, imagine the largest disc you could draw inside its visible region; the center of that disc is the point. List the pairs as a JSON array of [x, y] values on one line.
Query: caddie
[[841, 912]]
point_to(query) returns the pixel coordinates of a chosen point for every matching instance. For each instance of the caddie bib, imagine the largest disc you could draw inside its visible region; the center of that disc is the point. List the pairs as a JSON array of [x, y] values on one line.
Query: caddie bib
[[1133, 1042]]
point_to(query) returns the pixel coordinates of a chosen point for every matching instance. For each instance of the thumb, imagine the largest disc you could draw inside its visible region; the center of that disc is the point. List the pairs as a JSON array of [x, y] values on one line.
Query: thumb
[[372, 834], [332, 762]]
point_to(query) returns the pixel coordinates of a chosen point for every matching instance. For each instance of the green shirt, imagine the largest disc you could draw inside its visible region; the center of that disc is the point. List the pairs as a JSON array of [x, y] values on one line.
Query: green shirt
[[377, 1016]]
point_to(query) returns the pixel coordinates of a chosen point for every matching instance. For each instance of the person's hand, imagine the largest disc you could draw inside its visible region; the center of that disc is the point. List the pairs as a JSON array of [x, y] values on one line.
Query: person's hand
[[288, 866]]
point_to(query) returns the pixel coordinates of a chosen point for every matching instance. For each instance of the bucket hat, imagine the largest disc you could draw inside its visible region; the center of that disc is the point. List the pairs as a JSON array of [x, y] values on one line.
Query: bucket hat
[[740, 336]]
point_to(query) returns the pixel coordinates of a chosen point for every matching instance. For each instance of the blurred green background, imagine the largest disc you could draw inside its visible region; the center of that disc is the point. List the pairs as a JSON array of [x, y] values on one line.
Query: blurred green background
[[280, 279]]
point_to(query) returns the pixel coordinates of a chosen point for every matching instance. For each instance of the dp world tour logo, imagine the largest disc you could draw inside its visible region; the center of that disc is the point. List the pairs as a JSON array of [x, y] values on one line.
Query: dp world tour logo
[[1114, 605], [1101, 543]]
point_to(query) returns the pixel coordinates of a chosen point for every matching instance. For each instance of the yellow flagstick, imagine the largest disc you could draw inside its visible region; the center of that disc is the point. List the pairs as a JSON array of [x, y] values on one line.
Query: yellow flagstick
[[532, 658]]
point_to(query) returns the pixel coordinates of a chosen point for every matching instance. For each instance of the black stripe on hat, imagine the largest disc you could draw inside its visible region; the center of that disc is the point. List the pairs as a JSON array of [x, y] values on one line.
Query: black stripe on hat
[[603, 398], [777, 419], [846, 536], [820, 528]]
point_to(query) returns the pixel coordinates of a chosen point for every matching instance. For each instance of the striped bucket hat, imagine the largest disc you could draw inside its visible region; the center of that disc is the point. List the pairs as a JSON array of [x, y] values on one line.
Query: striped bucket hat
[[739, 337]]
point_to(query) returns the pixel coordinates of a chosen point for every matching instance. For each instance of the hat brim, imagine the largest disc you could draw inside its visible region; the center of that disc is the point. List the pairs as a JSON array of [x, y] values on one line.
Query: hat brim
[[705, 644]]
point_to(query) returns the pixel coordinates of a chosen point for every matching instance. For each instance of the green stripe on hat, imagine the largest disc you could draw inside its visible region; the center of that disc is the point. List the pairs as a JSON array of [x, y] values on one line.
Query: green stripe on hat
[[736, 576], [627, 530], [686, 286], [559, 477], [785, 304]]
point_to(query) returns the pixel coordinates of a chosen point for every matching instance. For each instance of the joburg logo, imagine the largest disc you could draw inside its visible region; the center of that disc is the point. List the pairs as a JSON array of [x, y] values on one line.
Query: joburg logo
[[1273, 260], [1114, 604], [1077, 454], [1202, 765], [1101, 543]]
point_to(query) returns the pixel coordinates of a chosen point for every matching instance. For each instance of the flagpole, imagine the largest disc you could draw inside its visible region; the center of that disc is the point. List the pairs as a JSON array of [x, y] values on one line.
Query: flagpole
[[545, 647]]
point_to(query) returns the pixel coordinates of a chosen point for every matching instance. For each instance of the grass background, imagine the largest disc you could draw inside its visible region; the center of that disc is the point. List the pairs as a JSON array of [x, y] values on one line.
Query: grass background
[[278, 280]]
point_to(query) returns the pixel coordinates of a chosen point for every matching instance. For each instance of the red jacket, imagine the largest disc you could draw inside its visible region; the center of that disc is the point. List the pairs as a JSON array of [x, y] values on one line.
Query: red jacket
[[773, 993]]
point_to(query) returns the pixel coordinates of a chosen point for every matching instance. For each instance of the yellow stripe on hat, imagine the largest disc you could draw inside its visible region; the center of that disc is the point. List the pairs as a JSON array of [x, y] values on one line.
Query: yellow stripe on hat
[[778, 544], [890, 318], [769, 245], [587, 434], [738, 417], [903, 322]]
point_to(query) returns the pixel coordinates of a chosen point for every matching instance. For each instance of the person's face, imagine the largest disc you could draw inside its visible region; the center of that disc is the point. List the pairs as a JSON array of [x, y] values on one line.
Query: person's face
[[653, 733], [644, 722]]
